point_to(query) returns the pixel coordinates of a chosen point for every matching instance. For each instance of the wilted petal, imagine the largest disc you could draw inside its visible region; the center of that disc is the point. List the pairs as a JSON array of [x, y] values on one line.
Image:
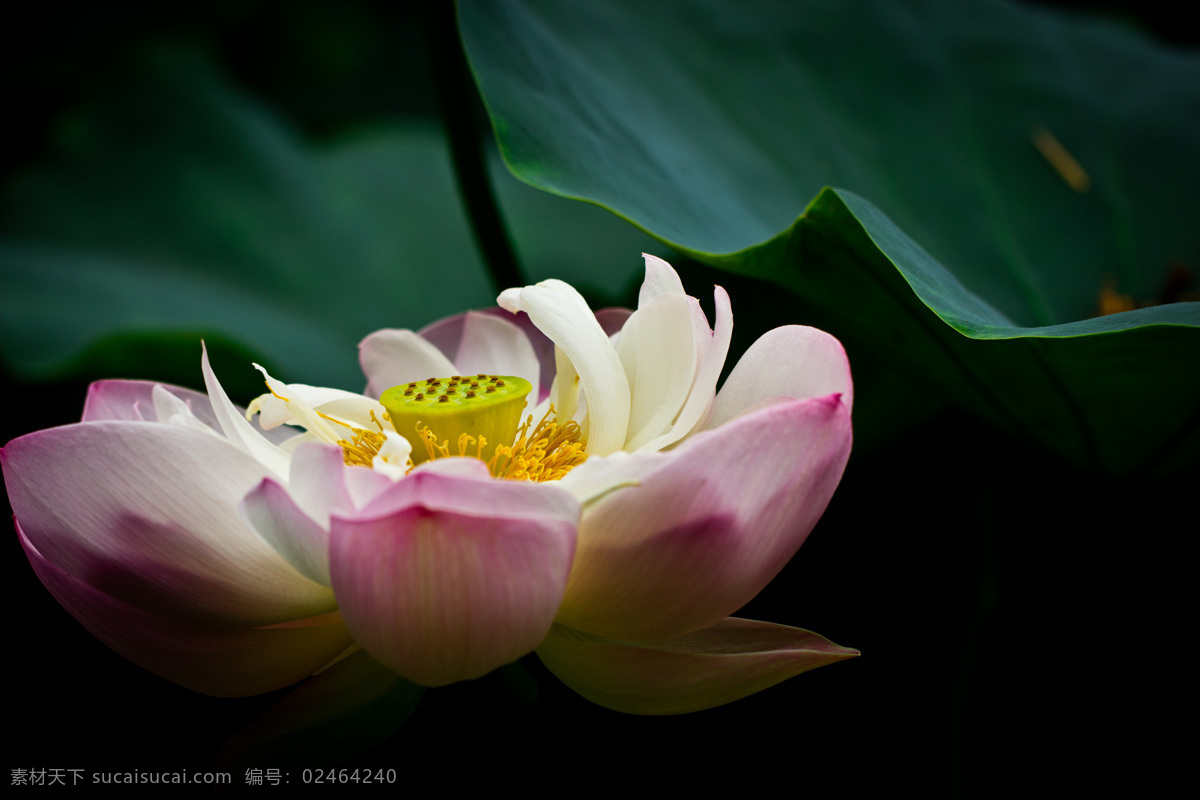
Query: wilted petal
[[562, 314], [392, 357], [727, 661], [446, 578], [703, 534], [792, 361], [226, 661], [148, 513], [294, 535]]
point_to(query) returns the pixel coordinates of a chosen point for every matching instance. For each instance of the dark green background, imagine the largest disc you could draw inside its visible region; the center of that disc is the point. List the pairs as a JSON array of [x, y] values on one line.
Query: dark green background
[[1018, 609]]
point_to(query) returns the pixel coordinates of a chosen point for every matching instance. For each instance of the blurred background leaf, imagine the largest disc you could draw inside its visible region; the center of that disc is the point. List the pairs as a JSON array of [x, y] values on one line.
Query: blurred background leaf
[[177, 207], [961, 252]]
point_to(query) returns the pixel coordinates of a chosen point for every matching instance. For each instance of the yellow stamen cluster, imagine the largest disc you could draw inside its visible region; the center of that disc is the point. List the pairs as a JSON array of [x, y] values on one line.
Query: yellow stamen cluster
[[363, 445], [465, 440], [547, 453]]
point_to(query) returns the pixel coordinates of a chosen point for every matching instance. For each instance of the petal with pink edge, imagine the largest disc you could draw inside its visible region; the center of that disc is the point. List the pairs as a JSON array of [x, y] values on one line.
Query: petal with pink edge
[[792, 361], [443, 595], [134, 401], [148, 513], [701, 535], [222, 661], [727, 661]]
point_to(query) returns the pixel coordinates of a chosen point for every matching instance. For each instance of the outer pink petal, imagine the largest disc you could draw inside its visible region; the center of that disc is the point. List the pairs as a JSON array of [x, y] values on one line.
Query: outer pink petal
[[391, 357], [148, 513], [701, 535], [727, 661], [226, 661], [792, 361], [134, 401], [443, 595]]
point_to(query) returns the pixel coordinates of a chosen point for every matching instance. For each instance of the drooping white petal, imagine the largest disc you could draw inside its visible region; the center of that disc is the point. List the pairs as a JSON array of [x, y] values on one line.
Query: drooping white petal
[[562, 314]]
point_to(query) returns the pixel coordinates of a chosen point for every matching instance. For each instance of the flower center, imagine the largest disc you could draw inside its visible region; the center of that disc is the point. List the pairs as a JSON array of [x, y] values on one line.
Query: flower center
[[476, 411]]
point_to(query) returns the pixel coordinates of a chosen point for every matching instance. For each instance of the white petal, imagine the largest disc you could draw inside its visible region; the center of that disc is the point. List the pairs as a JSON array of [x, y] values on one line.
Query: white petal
[[495, 346], [562, 314], [392, 357], [658, 350], [712, 349], [237, 430], [661, 279]]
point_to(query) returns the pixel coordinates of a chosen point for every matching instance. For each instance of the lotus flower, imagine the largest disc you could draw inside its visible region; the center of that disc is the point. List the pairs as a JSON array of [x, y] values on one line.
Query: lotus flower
[[613, 538]]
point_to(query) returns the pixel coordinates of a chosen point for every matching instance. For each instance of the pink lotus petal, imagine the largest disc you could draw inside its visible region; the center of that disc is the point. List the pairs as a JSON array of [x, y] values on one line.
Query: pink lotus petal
[[793, 361], [443, 594], [724, 662], [704, 533], [133, 401], [611, 320], [466, 486], [392, 357], [227, 661], [272, 512], [148, 514]]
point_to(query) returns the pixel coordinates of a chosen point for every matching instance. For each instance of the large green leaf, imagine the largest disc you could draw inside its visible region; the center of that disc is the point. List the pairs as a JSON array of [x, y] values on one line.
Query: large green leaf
[[180, 208], [958, 249]]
